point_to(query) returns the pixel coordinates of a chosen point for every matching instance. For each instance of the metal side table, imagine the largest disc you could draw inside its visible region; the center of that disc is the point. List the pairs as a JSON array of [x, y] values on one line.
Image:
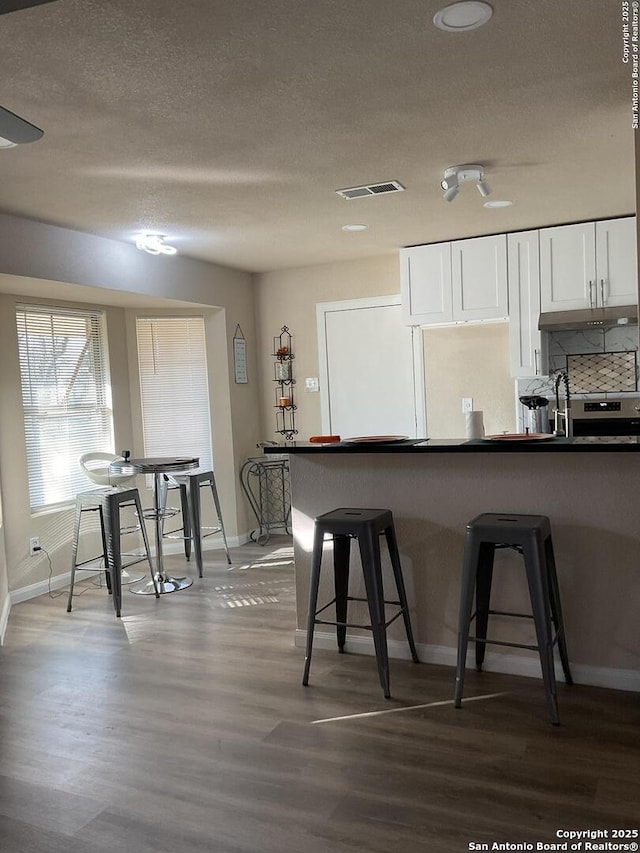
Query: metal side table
[[265, 481]]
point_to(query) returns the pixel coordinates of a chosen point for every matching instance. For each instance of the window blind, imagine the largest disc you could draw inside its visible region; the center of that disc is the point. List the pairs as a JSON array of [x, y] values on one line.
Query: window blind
[[66, 398], [174, 387]]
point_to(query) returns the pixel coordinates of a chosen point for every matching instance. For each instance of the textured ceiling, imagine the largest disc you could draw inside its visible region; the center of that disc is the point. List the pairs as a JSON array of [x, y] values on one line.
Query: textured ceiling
[[228, 124]]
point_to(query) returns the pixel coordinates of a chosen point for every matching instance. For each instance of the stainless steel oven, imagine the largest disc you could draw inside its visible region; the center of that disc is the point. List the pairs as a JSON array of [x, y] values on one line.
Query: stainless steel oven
[[604, 416]]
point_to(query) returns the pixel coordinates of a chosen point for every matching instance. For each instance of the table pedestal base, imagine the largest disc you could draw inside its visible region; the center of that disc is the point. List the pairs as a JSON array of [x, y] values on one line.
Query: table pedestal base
[[165, 584]]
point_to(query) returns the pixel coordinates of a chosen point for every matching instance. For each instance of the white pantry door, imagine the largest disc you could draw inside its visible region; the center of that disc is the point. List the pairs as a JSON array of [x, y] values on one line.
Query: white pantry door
[[371, 370]]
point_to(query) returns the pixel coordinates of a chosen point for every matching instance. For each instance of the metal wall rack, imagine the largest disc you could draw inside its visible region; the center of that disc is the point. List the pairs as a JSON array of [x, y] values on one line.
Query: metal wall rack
[[284, 385]]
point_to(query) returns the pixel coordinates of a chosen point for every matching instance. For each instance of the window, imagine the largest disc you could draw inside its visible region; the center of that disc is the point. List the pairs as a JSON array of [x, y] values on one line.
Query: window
[[174, 387], [66, 396]]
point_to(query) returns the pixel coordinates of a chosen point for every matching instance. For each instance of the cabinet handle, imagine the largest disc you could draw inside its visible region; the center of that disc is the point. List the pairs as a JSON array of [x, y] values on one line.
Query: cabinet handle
[[591, 296], [603, 298], [536, 366]]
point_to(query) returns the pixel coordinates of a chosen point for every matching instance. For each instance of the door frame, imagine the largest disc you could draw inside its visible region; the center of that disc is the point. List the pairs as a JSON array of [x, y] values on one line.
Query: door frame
[[418, 377]]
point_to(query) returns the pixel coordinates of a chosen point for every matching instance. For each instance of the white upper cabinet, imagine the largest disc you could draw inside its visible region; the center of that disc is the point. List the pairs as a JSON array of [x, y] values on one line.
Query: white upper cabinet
[[479, 271], [567, 267], [524, 303], [591, 265], [454, 282], [616, 262], [425, 284]]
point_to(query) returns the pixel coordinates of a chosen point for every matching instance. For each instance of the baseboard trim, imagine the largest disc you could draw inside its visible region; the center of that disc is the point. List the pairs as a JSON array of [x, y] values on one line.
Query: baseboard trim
[[59, 581], [592, 676], [4, 618], [33, 590]]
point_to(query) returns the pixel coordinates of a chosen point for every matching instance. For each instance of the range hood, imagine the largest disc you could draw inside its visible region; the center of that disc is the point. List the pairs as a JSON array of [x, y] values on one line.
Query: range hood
[[588, 318]]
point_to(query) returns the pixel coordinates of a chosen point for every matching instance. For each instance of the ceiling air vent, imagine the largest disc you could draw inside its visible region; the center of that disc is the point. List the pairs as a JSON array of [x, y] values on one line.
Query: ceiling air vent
[[371, 189]]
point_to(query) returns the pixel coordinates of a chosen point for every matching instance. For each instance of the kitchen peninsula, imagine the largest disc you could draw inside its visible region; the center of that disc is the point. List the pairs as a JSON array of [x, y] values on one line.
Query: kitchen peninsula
[[587, 487]]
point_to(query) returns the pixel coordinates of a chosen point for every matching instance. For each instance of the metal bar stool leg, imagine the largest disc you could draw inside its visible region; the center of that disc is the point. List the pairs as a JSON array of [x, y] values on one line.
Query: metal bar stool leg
[[471, 557], [556, 609], [372, 570], [537, 580], [105, 552], [216, 501], [74, 551], [112, 525], [318, 540], [341, 556], [194, 521], [394, 556], [186, 520], [483, 598]]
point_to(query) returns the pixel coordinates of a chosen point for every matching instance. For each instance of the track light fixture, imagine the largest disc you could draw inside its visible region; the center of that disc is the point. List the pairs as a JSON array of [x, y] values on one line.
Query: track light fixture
[[483, 188], [450, 186], [455, 175]]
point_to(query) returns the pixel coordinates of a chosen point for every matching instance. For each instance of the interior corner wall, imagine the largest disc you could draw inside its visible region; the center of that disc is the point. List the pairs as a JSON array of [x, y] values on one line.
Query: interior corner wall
[[289, 298], [57, 256]]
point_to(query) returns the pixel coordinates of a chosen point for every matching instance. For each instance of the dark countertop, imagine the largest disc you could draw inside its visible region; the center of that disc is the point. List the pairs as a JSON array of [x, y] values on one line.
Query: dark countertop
[[587, 444]]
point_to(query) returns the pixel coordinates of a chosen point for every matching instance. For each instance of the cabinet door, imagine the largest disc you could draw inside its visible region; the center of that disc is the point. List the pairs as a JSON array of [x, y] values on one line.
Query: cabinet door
[[425, 284], [568, 267], [524, 303], [617, 262], [479, 273]]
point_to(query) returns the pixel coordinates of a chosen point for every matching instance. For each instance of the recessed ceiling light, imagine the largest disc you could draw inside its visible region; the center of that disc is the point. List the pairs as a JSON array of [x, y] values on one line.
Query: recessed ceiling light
[[459, 17], [354, 227], [492, 204]]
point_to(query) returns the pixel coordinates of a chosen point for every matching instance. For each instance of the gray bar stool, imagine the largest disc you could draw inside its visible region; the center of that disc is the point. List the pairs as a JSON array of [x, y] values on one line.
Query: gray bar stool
[[191, 510], [108, 503], [529, 535], [365, 525]]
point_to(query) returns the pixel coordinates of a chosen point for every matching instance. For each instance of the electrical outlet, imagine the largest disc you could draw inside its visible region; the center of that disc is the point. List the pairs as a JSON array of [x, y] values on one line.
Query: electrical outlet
[[34, 545], [467, 404]]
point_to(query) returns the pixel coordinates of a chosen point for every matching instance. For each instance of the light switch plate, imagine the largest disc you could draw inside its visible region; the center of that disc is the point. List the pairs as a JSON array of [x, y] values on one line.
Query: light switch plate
[[467, 404], [311, 384]]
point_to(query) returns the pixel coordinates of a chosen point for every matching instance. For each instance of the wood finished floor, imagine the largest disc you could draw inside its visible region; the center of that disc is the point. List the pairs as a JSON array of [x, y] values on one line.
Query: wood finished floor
[[183, 727]]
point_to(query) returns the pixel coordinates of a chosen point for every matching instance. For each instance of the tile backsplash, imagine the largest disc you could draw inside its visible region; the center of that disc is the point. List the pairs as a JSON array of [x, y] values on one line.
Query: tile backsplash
[[602, 372], [581, 341], [611, 344]]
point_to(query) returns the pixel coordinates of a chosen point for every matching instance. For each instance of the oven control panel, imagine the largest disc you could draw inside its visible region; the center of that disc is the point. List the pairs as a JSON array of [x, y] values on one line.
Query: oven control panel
[[606, 407], [603, 406], [609, 416]]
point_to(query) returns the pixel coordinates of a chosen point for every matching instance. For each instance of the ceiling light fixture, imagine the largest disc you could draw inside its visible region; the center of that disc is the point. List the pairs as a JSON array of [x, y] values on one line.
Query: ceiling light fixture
[[354, 227], [154, 244], [450, 186], [460, 17], [496, 204], [455, 175], [483, 188], [7, 143]]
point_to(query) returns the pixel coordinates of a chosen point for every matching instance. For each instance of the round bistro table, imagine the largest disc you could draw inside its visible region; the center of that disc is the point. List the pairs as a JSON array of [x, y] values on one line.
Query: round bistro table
[[158, 466]]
